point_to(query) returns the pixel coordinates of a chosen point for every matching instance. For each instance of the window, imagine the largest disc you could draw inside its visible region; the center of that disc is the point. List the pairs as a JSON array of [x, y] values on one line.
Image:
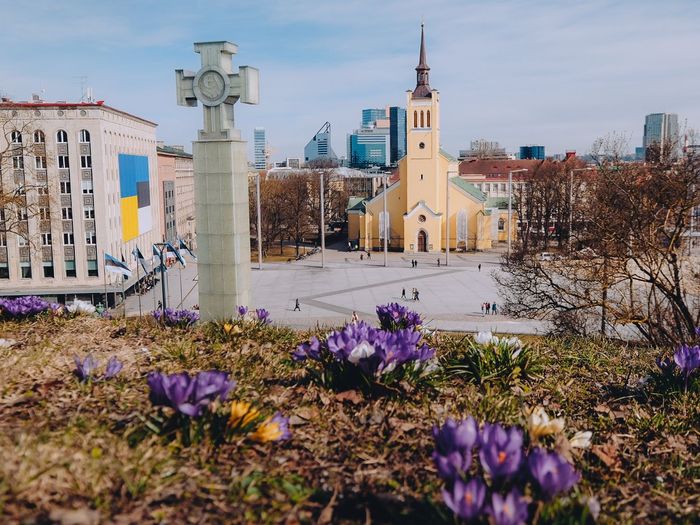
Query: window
[[86, 186], [65, 187], [22, 214], [46, 239], [39, 137], [44, 213], [422, 122], [48, 269], [16, 137], [68, 239], [3, 239], [70, 268], [421, 145], [22, 241], [501, 225], [85, 161], [92, 267], [62, 137], [4, 271], [415, 119], [428, 122], [84, 136], [63, 162], [40, 163], [67, 214], [421, 218], [89, 212], [43, 190], [25, 269], [18, 162], [90, 238]]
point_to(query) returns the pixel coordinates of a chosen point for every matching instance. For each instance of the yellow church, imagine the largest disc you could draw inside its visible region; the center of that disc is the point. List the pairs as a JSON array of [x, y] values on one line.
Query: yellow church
[[429, 191]]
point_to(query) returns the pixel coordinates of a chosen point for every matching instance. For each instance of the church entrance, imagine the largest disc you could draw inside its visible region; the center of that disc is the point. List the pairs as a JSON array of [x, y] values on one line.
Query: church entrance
[[422, 241]]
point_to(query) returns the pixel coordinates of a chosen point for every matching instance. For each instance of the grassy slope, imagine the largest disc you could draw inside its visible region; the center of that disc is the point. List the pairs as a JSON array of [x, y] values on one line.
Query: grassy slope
[[67, 446]]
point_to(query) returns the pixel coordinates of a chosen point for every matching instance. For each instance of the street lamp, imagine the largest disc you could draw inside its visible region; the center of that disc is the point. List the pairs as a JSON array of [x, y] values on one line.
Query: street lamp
[[447, 213], [386, 222], [571, 203], [323, 226], [257, 204], [510, 202]]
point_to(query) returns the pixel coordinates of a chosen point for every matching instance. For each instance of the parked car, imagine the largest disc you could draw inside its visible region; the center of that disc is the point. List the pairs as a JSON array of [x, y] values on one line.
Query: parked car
[[547, 256]]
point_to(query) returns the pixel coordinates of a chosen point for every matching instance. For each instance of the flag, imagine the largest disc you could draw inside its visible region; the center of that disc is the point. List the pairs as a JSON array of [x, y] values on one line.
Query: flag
[[114, 265], [139, 258], [156, 260], [171, 250], [183, 246]]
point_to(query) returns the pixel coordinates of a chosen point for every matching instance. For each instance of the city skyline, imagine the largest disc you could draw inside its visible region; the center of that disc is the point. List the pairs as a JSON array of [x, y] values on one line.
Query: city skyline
[[521, 72]]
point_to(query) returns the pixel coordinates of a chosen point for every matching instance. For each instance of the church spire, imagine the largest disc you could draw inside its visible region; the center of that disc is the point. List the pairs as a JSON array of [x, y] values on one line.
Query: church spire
[[422, 82]]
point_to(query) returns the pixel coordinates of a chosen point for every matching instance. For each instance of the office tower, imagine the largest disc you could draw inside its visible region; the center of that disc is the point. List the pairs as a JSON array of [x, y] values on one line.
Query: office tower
[[319, 147], [532, 152], [397, 133], [260, 148]]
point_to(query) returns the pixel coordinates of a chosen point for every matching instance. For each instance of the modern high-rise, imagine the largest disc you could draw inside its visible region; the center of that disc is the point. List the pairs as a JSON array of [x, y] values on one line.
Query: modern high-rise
[[87, 174], [397, 133], [260, 148], [371, 115], [369, 147], [531, 152], [319, 147], [661, 129]]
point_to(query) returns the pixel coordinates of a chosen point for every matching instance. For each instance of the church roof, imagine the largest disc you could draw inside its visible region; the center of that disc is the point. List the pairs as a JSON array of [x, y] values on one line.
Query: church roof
[[422, 81], [497, 202], [469, 188], [356, 204], [447, 155]]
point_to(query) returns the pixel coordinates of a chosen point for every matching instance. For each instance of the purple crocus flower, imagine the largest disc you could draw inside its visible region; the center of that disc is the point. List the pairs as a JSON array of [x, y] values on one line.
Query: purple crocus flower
[[453, 447], [687, 358], [85, 368], [466, 500], [508, 510], [311, 350], [393, 316], [22, 307], [263, 316], [114, 366], [552, 472], [189, 395], [501, 450], [178, 318], [242, 311]]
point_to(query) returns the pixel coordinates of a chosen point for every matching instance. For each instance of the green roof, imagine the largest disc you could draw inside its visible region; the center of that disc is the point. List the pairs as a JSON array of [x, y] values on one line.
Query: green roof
[[497, 202], [469, 188], [174, 151], [356, 204], [447, 155]]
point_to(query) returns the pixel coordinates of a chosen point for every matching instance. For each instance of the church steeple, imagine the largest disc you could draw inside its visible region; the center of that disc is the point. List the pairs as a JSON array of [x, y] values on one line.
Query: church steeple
[[422, 82]]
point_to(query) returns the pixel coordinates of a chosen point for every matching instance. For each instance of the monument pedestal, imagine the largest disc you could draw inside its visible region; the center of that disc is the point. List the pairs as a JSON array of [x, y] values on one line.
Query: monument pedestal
[[223, 239]]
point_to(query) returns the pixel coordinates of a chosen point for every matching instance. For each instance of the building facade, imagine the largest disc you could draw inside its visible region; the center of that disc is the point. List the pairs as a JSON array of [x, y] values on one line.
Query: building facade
[[531, 152], [428, 194], [176, 177], [661, 129], [319, 147], [369, 147], [87, 176], [260, 148], [397, 133]]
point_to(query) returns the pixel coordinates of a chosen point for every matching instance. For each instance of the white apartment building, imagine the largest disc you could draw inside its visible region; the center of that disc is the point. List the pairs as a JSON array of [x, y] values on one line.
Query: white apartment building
[[87, 178]]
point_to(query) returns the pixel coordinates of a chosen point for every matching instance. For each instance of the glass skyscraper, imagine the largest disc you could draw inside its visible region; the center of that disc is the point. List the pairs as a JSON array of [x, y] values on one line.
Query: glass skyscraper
[[661, 128], [259, 148], [369, 147], [532, 152], [319, 147], [371, 115], [397, 133]]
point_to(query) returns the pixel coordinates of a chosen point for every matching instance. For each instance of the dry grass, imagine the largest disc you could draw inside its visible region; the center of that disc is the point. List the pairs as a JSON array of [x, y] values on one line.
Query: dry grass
[[72, 451]]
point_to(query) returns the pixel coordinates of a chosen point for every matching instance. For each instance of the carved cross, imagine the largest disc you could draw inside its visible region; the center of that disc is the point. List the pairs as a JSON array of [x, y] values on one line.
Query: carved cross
[[218, 88]]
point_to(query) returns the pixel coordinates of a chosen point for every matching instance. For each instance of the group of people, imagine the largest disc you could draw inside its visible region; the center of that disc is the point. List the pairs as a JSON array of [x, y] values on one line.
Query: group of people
[[415, 295], [488, 308], [414, 263], [369, 256]]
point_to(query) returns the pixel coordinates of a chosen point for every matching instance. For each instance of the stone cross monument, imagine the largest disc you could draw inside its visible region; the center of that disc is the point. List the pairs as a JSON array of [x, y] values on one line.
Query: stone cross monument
[[221, 178]]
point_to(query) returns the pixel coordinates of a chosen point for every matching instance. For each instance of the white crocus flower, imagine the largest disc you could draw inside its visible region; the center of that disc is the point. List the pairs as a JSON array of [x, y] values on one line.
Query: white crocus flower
[[81, 308], [513, 342], [389, 368], [581, 439], [361, 351], [486, 338], [539, 424], [430, 367]]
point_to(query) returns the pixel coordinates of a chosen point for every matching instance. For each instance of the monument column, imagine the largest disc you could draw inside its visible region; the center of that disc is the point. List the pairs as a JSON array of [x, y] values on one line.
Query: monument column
[[221, 179]]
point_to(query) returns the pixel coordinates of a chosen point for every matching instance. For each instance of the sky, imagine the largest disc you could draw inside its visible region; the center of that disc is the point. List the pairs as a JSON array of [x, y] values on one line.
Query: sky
[[557, 73]]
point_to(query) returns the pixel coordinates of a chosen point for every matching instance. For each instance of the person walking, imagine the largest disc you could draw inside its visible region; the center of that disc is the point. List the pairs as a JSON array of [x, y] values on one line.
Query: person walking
[[488, 308], [479, 266], [416, 263], [369, 256], [403, 293], [417, 297], [482, 309], [355, 319], [438, 262], [413, 294], [493, 309], [297, 308], [362, 256]]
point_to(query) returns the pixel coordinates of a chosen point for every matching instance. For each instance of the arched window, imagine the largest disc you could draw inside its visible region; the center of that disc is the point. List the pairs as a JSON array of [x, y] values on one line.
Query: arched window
[[422, 122], [428, 118], [16, 137], [61, 137], [84, 136], [415, 119], [39, 137], [501, 225]]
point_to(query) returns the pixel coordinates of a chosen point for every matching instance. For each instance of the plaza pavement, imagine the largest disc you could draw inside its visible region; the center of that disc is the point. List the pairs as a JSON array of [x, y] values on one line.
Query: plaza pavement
[[450, 297]]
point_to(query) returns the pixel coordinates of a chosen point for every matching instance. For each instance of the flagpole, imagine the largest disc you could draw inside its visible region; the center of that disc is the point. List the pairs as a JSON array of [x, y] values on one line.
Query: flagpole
[[124, 295], [138, 284], [104, 272]]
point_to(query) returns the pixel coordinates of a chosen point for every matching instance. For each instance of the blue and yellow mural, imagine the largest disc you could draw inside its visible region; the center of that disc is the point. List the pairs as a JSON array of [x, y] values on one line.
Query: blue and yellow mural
[[134, 185]]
